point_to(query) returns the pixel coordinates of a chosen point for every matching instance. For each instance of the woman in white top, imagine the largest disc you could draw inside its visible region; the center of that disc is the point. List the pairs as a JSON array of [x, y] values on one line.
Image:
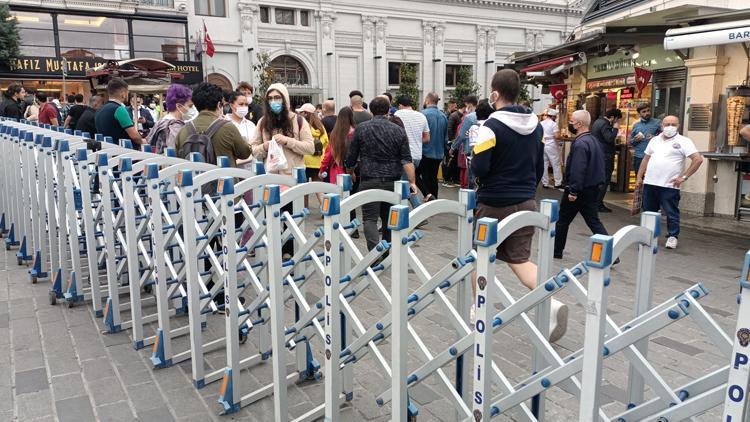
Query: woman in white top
[[239, 105]]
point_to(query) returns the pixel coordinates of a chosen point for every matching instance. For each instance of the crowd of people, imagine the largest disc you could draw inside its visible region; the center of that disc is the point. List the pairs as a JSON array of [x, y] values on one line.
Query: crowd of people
[[495, 146]]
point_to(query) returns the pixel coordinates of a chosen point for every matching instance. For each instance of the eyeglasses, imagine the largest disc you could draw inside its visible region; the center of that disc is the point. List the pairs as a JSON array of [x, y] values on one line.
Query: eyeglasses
[[275, 98]]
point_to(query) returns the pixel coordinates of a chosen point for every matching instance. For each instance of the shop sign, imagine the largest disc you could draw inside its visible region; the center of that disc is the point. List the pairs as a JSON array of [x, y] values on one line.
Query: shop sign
[[652, 57], [601, 84], [52, 68]]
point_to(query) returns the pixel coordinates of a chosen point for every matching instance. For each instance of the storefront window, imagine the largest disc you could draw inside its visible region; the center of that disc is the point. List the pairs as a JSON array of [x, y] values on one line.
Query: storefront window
[[37, 35], [160, 40], [93, 36]]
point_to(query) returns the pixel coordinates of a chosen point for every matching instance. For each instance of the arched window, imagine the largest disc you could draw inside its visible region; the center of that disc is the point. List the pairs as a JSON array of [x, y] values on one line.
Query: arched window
[[289, 71], [219, 80]]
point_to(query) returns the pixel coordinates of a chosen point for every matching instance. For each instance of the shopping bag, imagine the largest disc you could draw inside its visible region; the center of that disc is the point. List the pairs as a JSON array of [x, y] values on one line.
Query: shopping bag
[[635, 207], [276, 160]]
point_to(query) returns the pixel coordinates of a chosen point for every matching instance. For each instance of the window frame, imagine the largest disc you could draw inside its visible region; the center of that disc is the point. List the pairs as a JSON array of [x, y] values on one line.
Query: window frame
[[268, 14], [307, 18], [457, 68], [209, 8], [392, 86], [293, 14]]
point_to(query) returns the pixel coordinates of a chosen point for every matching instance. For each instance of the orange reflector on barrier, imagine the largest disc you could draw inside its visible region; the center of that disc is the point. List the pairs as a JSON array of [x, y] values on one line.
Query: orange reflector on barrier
[[156, 344], [596, 252], [266, 193], [325, 204], [482, 232], [394, 218], [220, 188], [224, 384]]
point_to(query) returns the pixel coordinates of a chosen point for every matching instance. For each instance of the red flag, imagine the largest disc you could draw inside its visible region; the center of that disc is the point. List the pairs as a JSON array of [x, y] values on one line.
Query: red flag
[[210, 50], [642, 78], [558, 92]]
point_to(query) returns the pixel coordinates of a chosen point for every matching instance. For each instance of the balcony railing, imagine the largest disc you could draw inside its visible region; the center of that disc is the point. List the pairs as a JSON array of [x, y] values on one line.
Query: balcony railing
[[157, 3]]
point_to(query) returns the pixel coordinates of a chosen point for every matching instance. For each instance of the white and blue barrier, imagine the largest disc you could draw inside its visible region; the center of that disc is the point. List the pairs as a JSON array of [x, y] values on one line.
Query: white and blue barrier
[[159, 245]]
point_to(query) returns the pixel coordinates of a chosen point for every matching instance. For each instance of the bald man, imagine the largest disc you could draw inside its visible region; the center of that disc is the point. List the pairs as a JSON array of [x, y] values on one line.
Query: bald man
[[584, 175], [662, 173], [329, 116]]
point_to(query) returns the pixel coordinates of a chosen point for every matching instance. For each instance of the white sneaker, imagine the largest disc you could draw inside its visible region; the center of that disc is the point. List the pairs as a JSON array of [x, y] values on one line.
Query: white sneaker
[[671, 243], [558, 323], [472, 315]]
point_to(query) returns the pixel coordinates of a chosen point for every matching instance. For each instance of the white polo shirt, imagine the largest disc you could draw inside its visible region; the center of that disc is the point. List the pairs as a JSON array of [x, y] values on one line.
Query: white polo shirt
[[415, 124], [550, 131], [667, 159]]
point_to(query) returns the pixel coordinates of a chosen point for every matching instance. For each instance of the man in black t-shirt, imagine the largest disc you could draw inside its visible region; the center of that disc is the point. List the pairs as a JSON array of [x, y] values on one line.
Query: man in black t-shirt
[[75, 112], [329, 116], [87, 120], [13, 105]]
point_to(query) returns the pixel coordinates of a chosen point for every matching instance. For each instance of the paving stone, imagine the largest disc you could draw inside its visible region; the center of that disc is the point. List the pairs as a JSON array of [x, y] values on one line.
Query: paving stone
[[106, 390], [75, 409], [34, 405], [115, 412], [95, 369], [29, 359], [145, 396], [31, 381], [67, 386], [185, 402], [159, 414], [678, 346]]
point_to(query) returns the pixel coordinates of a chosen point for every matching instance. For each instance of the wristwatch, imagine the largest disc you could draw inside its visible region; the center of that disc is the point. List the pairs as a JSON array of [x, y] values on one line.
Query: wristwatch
[[684, 178]]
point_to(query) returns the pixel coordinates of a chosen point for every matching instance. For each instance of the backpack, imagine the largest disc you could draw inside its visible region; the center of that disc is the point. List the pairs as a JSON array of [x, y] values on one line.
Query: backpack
[[201, 142]]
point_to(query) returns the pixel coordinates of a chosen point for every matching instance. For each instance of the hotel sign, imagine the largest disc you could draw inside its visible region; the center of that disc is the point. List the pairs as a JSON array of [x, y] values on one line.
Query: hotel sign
[[52, 68]]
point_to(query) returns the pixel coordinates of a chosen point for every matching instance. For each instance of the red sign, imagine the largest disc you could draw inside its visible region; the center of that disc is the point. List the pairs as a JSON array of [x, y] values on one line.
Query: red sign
[[626, 94], [642, 78], [558, 92]]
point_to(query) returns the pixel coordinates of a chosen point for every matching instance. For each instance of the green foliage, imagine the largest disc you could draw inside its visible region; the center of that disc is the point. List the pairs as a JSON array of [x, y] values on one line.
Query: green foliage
[[465, 85], [524, 95], [10, 39], [408, 83], [265, 75]]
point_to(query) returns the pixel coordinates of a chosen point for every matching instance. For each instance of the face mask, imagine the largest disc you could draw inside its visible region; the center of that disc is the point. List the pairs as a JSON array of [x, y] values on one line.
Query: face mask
[[249, 99], [276, 107], [190, 114], [241, 112], [572, 129], [670, 131]]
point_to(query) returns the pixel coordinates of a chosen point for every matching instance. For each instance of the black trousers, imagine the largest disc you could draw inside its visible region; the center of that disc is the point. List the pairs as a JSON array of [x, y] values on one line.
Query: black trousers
[[609, 168], [450, 167], [586, 204], [374, 210], [428, 170]]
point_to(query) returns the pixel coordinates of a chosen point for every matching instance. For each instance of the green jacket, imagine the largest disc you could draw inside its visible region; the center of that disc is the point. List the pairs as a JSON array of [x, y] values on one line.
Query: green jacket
[[227, 141]]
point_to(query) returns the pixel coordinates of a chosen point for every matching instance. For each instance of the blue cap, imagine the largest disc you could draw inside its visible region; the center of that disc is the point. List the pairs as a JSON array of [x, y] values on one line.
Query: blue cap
[[102, 160], [152, 171], [62, 145], [126, 164], [98, 137], [82, 154]]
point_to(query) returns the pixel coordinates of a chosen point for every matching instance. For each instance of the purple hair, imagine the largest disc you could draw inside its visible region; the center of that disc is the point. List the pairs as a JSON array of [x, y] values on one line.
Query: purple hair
[[177, 94]]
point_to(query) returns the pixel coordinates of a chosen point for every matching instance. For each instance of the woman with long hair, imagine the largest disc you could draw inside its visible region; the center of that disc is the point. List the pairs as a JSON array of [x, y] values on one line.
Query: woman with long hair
[[333, 162]]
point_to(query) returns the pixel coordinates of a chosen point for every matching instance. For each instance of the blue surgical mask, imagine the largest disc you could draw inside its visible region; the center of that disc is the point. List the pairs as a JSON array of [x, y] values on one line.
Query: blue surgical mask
[[276, 107]]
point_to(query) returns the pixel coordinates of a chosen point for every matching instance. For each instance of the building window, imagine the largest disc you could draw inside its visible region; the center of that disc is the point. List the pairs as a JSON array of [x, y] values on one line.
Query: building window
[[285, 16], [37, 34], [93, 37], [394, 72], [264, 14], [159, 40], [289, 71], [452, 72], [210, 8], [304, 18]]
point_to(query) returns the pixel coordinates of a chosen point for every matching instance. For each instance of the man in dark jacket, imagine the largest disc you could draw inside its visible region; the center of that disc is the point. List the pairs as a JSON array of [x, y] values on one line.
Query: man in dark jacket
[[605, 130], [584, 174], [13, 105]]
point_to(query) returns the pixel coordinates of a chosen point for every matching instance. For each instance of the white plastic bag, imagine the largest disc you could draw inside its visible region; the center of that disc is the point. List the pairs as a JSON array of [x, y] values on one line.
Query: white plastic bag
[[276, 160]]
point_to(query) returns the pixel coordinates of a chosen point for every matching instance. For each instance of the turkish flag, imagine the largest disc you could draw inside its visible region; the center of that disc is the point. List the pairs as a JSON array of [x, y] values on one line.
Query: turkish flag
[[210, 50], [642, 79], [558, 92]]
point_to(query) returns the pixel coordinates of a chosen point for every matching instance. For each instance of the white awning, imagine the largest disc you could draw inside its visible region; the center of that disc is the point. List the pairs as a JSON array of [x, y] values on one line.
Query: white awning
[[705, 35]]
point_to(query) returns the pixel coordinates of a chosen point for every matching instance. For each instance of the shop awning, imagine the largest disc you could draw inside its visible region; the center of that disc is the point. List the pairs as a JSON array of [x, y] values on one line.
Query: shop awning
[[549, 64], [706, 35]]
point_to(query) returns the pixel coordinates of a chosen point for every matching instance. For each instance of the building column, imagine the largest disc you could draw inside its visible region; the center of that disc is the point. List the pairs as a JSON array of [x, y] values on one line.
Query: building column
[[489, 63], [328, 54], [381, 63], [368, 54], [480, 68], [249, 31], [428, 49], [439, 61], [705, 82]]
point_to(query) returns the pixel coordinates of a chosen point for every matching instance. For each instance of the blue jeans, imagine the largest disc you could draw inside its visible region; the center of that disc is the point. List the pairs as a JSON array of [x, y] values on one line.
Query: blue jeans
[[668, 199]]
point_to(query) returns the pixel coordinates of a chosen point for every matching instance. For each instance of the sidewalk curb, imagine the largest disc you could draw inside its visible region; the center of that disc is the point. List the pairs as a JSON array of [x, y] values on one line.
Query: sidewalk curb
[[689, 224]]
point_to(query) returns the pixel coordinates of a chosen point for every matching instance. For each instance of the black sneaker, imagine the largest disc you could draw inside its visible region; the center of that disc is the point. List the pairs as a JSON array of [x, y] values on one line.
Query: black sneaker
[[355, 234]]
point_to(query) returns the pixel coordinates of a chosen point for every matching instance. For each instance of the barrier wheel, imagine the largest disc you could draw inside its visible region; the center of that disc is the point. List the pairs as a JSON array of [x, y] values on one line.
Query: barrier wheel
[[20, 261], [52, 298], [411, 418], [33, 280], [243, 337], [70, 303], [148, 288]]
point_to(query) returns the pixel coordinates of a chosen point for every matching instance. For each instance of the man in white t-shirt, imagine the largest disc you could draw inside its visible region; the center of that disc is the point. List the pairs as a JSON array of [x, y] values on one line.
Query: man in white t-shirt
[[663, 165], [551, 149], [417, 130]]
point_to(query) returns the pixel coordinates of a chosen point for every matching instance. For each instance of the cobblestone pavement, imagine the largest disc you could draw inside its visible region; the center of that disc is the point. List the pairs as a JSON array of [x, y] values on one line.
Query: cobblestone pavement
[[57, 365]]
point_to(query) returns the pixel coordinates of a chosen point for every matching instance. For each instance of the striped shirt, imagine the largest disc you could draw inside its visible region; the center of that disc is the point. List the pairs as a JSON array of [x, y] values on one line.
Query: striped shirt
[[415, 124]]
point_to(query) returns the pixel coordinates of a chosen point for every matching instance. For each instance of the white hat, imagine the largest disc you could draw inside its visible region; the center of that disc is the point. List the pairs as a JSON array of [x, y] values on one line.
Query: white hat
[[551, 112], [307, 108]]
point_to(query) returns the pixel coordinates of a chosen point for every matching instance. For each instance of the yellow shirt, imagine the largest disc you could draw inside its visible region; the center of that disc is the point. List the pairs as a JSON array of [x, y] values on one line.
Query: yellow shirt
[[313, 161]]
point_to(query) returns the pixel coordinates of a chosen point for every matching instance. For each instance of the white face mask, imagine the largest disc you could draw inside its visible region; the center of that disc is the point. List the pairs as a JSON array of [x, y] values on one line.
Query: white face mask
[[241, 111], [670, 131], [190, 114], [249, 99]]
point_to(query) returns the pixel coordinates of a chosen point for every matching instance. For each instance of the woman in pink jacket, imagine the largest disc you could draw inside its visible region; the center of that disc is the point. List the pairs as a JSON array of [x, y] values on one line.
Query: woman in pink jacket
[[333, 162]]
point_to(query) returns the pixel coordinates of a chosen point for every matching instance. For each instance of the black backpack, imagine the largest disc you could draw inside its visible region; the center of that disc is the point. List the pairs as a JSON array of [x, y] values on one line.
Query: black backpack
[[200, 142]]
